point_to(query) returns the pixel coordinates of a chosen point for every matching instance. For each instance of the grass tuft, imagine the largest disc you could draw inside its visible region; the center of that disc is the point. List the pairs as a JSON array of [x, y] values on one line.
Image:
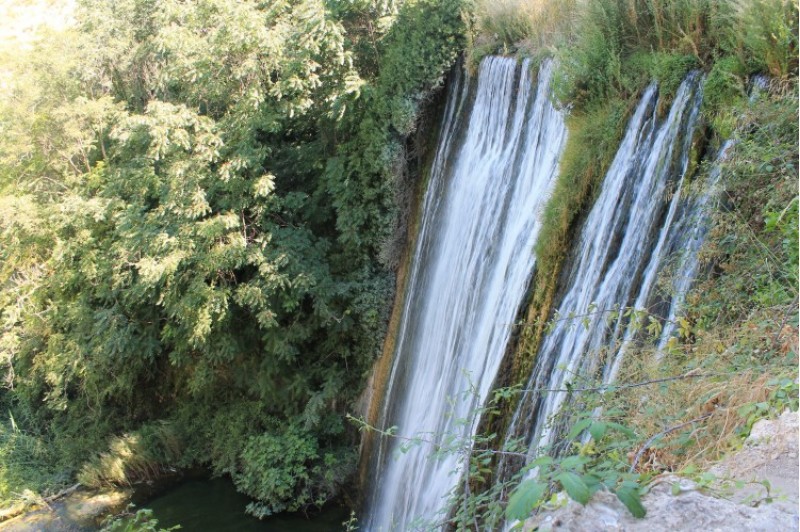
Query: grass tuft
[[143, 455]]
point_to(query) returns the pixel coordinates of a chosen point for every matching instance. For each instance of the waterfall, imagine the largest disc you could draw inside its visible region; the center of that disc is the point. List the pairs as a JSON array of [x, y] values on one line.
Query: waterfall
[[628, 237], [495, 166]]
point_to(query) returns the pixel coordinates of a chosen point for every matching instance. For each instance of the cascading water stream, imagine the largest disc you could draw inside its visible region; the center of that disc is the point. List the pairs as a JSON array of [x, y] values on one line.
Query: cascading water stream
[[492, 174], [692, 233], [623, 245]]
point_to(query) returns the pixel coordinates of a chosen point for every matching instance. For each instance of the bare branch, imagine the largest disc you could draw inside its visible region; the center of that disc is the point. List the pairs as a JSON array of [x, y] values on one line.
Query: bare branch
[[659, 435], [606, 387]]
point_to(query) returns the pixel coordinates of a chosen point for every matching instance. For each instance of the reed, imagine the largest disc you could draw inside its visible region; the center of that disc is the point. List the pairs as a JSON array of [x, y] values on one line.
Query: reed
[[599, 42], [532, 24]]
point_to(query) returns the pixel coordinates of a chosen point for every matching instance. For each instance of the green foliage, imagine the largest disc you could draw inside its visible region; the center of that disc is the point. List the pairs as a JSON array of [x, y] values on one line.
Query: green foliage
[[366, 175], [755, 239], [669, 70], [27, 464], [574, 485], [193, 198], [606, 48], [525, 497], [630, 496], [578, 465], [784, 396], [784, 223], [275, 468], [724, 85], [288, 471], [767, 33], [604, 58], [586, 468]]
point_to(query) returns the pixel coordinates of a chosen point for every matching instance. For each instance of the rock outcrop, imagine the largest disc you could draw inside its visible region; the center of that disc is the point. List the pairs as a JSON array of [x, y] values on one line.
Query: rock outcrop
[[738, 500]]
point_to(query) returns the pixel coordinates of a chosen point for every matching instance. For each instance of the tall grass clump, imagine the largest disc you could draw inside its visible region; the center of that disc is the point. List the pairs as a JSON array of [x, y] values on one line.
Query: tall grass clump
[[617, 44], [531, 24], [143, 455], [27, 465], [606, 47], [765, 35]]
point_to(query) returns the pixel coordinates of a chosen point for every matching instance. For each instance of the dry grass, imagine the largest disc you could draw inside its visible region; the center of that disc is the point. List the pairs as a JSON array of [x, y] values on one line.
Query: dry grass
[[534, 24], [731, 383]]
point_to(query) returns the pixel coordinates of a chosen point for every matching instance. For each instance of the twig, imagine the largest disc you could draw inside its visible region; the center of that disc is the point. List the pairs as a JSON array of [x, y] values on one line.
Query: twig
[[604, 387], [783, 322], [660, 434], [467, 466], [6, 514], [461, 449], [620, 311]]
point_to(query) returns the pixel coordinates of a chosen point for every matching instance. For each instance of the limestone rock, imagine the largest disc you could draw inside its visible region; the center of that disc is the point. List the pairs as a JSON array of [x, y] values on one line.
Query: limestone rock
[[770, 453]]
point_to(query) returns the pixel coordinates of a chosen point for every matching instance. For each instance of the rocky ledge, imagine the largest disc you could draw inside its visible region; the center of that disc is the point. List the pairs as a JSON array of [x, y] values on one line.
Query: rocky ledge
[[756, 488]]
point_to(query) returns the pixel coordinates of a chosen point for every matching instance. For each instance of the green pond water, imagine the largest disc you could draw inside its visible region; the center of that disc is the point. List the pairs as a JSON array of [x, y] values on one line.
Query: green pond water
[[215, 505]]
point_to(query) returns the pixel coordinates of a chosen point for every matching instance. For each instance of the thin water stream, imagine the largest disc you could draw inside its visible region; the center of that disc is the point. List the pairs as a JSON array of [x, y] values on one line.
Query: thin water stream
[[622, 247]]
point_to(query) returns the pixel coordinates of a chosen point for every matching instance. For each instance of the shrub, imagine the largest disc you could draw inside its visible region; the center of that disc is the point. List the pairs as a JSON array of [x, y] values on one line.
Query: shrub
[[287, 471]]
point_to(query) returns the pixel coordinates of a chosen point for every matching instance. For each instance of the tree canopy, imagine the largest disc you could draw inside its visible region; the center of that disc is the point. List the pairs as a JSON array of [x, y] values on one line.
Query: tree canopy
[[194, 202]]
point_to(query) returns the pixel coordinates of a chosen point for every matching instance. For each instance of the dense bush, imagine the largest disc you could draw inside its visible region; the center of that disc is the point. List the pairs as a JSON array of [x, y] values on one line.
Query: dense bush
[[194, 196]]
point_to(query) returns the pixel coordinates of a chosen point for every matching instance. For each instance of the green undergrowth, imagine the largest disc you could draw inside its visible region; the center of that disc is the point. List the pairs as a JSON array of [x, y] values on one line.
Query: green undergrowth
[[739, 328], [28, 464]]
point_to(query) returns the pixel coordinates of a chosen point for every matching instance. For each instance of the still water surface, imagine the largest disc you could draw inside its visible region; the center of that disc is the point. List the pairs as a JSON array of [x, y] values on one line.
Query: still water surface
[[215, 505]]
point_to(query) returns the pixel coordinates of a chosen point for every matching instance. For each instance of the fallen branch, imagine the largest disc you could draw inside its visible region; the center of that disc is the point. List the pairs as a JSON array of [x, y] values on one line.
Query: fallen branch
[[20, 508], [62, 493]]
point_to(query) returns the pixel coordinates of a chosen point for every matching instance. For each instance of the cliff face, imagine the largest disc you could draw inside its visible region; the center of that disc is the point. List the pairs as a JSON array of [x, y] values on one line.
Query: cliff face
[[755, 488]]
